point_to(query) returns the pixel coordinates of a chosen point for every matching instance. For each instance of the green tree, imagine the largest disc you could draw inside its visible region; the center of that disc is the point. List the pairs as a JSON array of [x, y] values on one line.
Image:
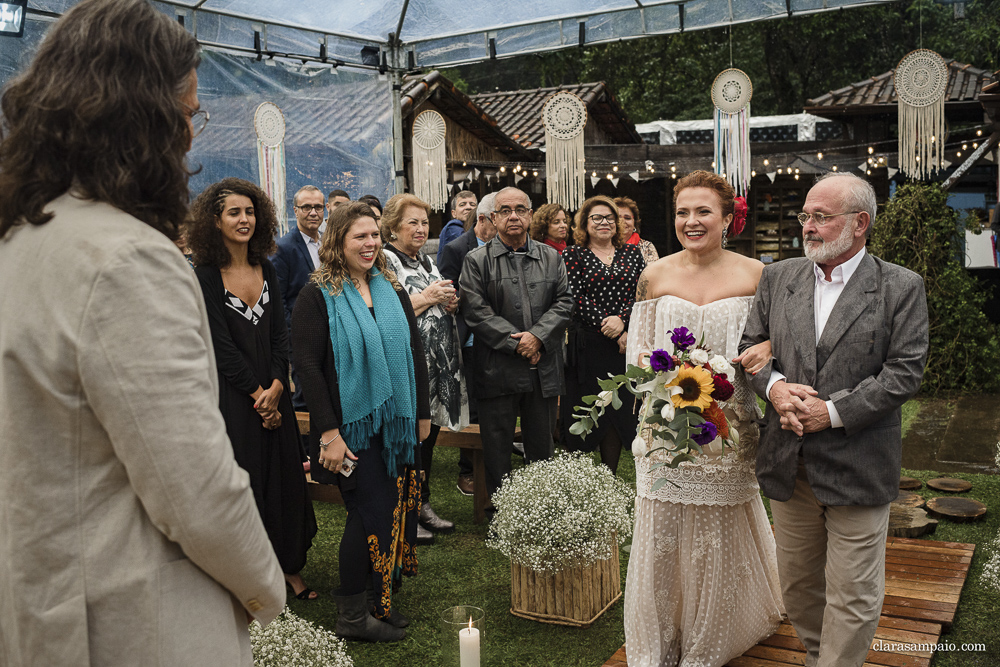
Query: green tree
[[917, 229]]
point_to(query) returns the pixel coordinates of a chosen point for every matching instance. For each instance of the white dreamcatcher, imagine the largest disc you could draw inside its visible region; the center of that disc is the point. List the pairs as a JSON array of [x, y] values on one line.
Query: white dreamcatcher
[[564, 116], [731, 93], [269, 124], [921, 80], [430, 173]]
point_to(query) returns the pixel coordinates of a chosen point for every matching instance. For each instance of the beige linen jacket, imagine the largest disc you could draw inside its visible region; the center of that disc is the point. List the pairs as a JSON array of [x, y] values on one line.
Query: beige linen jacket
[[128, 534]]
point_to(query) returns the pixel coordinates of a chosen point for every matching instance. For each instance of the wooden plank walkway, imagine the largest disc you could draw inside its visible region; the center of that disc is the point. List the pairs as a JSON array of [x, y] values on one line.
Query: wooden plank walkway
[[923, 582]]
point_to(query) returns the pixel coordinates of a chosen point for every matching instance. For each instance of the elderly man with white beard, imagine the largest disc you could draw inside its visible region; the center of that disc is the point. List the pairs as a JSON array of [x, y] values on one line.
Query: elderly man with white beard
[[849, 336]]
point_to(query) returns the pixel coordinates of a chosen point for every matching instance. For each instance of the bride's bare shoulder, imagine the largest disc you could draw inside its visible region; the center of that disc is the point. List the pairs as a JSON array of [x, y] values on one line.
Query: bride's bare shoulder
[[655, 277]]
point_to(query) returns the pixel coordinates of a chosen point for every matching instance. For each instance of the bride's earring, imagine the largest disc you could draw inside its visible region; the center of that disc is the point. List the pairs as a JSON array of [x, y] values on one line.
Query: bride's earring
[[725, 235]]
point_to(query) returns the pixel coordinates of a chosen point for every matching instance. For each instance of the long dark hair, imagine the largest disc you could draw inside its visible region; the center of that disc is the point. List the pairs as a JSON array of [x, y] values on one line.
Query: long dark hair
[[205, 237], [98, 110]]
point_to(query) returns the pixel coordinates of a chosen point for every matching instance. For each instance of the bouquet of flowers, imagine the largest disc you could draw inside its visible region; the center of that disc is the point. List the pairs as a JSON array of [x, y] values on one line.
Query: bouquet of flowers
[[681, 394], [561, 512], [291, 641]]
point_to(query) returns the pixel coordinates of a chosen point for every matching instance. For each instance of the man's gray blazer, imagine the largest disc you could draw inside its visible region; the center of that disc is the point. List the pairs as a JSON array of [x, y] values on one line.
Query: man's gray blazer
[[869, 361]]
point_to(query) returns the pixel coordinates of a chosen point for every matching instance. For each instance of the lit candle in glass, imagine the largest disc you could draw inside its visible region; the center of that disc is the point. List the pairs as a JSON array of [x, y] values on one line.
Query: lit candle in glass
[[469, 646]]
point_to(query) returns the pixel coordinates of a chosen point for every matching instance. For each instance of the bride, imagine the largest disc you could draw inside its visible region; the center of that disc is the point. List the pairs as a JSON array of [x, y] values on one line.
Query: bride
[[702, 582]]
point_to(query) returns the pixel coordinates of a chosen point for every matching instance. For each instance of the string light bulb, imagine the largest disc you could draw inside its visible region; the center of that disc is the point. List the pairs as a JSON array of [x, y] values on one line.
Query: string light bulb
[[614, 168], [974, 145], [673, 176], [766, 162], [958, 153], [933, 138], [868, 172], [593, 174], [713, 164], [819, 156], [517, 168], [534, 173], [673, 169], [979, 133], [964, 146], [463, 163], [835, 167], [503, 169], [870, 150], [779, 170], [753, 173], [609, 177]]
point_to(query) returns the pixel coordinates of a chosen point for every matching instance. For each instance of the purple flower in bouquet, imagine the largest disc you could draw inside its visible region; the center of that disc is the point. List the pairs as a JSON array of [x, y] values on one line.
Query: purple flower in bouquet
[[682, 338], [707, 434], [661, 361]]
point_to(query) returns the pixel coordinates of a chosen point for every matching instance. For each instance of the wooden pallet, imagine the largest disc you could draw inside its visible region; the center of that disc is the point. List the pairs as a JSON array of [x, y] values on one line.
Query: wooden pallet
[[923, 582]]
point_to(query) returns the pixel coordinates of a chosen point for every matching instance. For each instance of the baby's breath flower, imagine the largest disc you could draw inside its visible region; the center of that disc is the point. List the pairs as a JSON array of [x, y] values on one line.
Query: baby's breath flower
[[290, 641], [561, 512]]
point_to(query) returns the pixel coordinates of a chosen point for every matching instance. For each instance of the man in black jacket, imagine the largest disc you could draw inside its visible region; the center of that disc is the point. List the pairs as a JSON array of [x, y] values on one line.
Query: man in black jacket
[[452, 256], [517, 302]]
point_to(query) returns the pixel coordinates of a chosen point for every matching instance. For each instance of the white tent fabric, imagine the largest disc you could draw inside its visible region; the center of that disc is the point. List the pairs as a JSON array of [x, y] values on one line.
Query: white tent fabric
[[442, 33]]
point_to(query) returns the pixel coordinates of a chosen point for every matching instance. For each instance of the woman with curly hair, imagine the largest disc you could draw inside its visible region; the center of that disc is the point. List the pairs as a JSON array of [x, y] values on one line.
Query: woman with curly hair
[[231, 232], [364, 375], [550, 225]]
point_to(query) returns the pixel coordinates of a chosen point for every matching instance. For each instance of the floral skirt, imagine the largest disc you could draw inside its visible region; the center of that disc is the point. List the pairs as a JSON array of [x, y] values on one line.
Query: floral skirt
[[387, 507], [702, 583]]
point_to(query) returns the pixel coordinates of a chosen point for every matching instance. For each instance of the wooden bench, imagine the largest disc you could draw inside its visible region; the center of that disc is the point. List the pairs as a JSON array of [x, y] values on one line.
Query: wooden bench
[[324, 493], [468, 439]]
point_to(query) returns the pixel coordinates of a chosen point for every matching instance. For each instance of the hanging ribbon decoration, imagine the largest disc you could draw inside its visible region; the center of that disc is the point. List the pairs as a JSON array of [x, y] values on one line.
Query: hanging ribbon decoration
[[921, 80], [269, 124], [731, 93], [564, 116], [430, 173]]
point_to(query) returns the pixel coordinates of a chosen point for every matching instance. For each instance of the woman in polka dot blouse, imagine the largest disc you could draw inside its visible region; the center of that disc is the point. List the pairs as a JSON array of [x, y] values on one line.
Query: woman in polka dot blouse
[[603, 272]]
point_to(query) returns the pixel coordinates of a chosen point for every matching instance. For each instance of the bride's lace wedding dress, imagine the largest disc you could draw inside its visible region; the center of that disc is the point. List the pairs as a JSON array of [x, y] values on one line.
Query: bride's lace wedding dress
[[702, 582]]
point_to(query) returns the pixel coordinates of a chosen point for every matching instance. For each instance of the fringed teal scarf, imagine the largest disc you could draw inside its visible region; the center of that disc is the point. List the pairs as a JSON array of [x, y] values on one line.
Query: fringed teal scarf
[[375, 370]]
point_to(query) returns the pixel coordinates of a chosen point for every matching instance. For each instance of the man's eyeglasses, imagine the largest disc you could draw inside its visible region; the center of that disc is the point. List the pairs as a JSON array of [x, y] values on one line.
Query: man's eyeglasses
[[820, 218], [314, 208], [199, 119], [505, 212], [598, 219]]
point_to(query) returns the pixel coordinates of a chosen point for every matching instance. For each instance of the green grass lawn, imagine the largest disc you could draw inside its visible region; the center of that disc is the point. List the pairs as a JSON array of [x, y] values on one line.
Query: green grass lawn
[[459, 569]]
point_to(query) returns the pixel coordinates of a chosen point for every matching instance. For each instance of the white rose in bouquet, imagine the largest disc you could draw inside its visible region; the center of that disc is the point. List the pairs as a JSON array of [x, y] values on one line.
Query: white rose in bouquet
[[699, 356], [667, 412], [604, 398], [720, 365], [639, 446]]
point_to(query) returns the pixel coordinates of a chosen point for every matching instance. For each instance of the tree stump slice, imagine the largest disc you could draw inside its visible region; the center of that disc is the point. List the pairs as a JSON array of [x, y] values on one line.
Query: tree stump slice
[[910, 484], [949, 484], [909, 521], [908, 499], [961, 510]]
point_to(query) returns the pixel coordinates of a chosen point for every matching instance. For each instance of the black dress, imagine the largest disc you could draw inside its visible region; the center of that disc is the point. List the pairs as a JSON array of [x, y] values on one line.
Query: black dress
[[380, 535], [251, 350], [599, 291]]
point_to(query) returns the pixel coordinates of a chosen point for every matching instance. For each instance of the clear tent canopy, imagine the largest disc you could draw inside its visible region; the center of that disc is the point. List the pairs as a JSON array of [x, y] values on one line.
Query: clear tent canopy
[[331, 66]]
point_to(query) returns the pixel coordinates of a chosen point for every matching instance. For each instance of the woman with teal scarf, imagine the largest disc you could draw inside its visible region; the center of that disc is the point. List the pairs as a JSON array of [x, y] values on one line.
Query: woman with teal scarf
[[362, 369]]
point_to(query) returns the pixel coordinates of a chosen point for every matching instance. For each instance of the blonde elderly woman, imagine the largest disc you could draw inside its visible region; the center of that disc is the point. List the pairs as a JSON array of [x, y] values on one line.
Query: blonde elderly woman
[[405, 229]]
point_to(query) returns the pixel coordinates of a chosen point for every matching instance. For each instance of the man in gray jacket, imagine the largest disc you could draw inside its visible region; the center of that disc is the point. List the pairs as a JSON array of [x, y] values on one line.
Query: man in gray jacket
[[849, 336], [516, 301]]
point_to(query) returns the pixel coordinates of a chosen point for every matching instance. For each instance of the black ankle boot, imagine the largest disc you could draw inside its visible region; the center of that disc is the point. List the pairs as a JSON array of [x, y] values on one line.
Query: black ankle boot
[[396, 619], [431, 521], [355, 621]]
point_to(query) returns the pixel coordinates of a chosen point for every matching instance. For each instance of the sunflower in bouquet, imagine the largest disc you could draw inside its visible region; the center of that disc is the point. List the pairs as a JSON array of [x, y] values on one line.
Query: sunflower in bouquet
[[680, 395]]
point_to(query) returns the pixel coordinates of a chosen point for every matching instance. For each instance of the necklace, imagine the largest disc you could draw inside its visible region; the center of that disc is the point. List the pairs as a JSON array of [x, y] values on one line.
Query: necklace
[[607, 260]]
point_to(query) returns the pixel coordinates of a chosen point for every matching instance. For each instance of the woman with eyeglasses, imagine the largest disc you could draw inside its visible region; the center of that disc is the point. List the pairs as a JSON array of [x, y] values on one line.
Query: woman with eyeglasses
[[231, 232], [603, 272]]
